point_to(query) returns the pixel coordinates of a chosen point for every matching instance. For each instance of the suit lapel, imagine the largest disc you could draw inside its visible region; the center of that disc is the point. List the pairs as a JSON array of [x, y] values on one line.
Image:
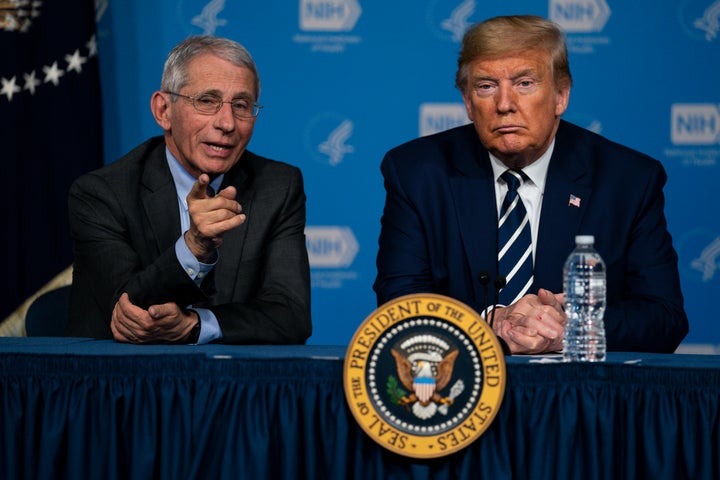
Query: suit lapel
[[234, 241], [159, 199], [473, 195], [569, 176]]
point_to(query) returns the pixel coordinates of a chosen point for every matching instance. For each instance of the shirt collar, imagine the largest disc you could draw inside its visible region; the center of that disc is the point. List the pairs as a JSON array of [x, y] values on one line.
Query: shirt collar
[[536, 171], [183, 180]]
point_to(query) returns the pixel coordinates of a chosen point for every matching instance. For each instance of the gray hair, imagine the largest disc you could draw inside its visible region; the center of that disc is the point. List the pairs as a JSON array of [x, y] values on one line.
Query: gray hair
[[502, 35], [175, 74]]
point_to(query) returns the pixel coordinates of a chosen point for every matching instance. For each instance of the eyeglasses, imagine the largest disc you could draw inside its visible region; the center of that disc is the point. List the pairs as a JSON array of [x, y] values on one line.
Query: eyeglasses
[[210, 104]]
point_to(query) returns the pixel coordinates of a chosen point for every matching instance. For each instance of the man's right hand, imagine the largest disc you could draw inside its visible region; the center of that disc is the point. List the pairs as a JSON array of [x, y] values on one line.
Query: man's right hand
[[210, 217], [165, 323], [534, 324]]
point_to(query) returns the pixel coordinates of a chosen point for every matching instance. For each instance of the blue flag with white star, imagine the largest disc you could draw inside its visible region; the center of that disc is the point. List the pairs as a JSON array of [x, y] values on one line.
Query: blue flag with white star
[[50, 133]]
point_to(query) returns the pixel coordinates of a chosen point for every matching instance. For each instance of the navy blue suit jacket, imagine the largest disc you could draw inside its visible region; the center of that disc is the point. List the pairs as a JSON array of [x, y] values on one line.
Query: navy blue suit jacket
[[439, 228]]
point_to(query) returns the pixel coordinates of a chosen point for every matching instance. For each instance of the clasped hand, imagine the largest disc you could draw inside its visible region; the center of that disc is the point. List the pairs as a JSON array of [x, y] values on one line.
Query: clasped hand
[[210, 217], [165, 323], [534, 324]]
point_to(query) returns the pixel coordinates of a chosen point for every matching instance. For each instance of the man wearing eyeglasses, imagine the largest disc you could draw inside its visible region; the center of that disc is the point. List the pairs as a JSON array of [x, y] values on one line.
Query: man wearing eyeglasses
[[159, 256]]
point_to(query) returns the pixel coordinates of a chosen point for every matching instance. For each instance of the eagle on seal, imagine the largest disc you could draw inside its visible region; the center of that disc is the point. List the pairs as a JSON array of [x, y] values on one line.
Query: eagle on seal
[[418, 377]]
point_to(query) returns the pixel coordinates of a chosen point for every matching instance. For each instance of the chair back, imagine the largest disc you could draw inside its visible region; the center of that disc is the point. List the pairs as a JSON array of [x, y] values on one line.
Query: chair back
[[48, 314]]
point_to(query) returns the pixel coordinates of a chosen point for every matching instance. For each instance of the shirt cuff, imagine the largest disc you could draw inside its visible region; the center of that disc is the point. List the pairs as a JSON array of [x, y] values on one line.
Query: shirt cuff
[[209, 326], [196, 271]]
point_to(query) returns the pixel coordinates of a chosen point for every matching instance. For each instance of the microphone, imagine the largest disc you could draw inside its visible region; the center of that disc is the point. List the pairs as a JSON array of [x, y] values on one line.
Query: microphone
[[499, 284], [484, 279]]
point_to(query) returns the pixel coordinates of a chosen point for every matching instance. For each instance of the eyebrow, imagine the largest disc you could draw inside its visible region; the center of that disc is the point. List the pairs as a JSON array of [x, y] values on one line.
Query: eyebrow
[[239, 96], [528, 72]]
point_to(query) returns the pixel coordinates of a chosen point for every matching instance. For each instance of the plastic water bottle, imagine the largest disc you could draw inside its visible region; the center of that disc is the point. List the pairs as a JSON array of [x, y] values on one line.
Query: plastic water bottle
[[585, 288]]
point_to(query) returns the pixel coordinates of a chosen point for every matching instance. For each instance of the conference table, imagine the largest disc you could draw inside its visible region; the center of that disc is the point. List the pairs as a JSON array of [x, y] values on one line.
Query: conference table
[[78, 408]]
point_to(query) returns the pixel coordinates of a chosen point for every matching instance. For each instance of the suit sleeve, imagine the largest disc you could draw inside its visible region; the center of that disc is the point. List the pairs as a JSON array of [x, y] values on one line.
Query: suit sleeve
[[402, 262], [277, 309], [112, 257], [649, 315]]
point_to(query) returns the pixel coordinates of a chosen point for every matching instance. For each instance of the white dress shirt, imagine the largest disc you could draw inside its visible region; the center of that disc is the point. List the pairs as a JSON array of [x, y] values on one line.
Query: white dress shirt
[[531, 192]]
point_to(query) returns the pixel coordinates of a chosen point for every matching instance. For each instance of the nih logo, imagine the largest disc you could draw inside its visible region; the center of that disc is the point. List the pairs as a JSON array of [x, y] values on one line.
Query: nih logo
[[330, 246], [576, 16], [437, 117], [329, 15], [695, 124]]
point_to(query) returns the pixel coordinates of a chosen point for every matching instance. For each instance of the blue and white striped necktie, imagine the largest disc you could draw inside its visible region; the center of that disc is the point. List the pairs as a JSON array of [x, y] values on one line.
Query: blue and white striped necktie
[[514, 241]]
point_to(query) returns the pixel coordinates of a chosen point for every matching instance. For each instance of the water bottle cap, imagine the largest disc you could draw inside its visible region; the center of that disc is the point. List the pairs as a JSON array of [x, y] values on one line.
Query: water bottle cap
[[584, 239]]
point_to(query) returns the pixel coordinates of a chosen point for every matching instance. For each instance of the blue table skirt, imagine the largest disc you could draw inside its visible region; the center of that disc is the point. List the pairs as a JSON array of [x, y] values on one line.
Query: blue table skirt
[[75, 408]]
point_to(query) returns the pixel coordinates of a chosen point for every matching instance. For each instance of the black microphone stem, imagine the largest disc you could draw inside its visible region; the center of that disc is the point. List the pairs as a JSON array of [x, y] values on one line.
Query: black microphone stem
[[499, 285], [484, 279]]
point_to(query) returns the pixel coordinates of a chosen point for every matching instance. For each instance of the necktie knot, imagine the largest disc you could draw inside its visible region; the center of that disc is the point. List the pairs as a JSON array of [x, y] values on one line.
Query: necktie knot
[[513, 179]]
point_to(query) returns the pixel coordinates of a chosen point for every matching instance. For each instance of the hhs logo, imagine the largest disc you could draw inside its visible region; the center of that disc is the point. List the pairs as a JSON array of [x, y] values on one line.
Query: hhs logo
[[708, 261], [334, 147], [437, 117], [329, 15], [458, 21], [710, 21], [327, 137], [331, 246], [208, 19], [580, 15], [695, 124]]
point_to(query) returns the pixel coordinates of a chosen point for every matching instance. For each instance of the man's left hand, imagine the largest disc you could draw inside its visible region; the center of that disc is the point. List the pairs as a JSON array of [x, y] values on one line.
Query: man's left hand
[[534, 324], [165, 323]]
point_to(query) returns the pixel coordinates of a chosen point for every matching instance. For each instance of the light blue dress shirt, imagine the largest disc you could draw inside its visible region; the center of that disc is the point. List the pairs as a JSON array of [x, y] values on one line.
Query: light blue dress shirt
[[209, 327]]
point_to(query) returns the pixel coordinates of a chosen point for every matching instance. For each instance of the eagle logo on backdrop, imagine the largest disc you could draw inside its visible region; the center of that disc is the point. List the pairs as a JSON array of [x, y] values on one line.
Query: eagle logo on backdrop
[[458, 22], [708, 261], [710, 21], [700, 19], [18, 15], [701, 248], [334, 147], [449, 21], [326, 138], [208, 19], [424, 375]]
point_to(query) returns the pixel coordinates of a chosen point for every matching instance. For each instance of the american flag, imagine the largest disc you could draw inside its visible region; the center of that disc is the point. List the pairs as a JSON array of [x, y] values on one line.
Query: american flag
[[50, 132], [574, 201]]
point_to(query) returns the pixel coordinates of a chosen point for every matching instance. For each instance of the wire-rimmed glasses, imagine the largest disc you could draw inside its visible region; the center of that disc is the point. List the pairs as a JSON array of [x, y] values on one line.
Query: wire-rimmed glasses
[[210, 104]]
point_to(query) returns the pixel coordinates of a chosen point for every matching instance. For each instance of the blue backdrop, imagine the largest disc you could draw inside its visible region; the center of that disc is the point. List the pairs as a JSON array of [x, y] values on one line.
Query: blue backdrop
[[345, 80]]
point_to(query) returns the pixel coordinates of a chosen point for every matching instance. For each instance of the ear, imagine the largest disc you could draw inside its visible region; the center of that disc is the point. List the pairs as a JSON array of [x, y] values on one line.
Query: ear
[[468, 105], [563, 99], [161, 107]]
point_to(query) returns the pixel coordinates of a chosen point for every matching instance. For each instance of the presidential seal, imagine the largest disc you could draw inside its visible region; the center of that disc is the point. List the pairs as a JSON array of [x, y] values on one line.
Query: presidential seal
[[424, 375]]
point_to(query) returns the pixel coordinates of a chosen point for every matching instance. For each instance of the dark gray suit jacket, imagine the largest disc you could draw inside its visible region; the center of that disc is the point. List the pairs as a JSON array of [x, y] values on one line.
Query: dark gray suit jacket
[[125, 221], [439, 228]]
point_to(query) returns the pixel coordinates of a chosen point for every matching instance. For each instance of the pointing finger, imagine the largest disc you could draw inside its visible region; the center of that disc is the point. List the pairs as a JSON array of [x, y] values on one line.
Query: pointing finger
[[199, 188]]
